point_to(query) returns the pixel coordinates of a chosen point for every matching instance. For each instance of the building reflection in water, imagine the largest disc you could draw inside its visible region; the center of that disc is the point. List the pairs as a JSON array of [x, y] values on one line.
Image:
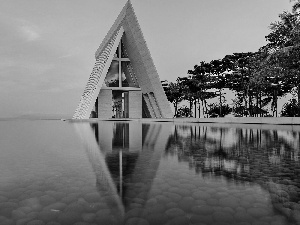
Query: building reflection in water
[[125, 158]]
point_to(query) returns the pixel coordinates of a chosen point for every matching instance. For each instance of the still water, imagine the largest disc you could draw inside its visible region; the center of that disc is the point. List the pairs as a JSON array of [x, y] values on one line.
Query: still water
[[54, 172]]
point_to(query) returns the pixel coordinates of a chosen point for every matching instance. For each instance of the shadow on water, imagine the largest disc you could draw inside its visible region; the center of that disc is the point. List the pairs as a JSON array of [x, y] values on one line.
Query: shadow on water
[[140, 174]]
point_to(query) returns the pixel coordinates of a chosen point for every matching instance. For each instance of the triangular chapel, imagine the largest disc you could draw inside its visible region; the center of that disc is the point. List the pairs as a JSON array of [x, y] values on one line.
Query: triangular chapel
[[124, 82]]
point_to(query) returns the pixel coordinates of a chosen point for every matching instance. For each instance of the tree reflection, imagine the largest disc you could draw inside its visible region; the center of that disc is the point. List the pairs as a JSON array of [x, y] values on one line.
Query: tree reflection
[[264, 156]]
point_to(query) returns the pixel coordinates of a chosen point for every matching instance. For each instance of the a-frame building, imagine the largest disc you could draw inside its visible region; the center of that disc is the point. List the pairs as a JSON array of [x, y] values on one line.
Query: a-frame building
[[124, 82]]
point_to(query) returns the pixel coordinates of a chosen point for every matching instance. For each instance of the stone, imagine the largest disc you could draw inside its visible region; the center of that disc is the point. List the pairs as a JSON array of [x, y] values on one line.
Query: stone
[[174, 212], [36, 222], [69, 199], [134, 213], [242, 216], [156, 218], [81, 223], [92, 197], [201, 195], [135, 205], [105, 219], [162, 199], [173, 197], [74, 207], [53, 223], [202, 210], [58, 206], [136, 221], [171, 205], [222, 217], [212, 202], [258, 212], [158, 208], [48, 215], [18, 214], [25, 209], [260, 223], [186, 203], [206, 219], [23, 221], [181, 220], [88, 217], [33, 203], [229, 201], [3, 199], [151, 202], [138, 200], [68, 218]]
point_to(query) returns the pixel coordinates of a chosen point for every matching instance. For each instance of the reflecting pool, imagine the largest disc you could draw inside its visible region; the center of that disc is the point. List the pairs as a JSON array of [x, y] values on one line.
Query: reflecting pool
[[55, 172]]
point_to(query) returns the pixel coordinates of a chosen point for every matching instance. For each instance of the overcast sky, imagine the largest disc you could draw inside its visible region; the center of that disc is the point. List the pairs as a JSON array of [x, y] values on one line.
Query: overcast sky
[[47, 46]]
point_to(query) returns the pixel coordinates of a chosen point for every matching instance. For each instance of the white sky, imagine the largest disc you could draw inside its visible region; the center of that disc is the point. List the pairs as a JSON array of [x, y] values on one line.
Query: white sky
[[47, 47]]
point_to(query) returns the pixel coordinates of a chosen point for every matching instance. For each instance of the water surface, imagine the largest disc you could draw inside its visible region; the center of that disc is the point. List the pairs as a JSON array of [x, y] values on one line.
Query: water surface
[[54, 172]]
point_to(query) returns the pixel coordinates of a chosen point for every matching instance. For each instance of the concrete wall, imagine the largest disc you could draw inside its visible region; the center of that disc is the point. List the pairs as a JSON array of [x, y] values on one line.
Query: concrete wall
[[135, 104], [105, 104]]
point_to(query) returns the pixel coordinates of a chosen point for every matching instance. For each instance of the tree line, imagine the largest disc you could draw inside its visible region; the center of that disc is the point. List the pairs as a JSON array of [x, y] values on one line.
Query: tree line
[[258, 79]]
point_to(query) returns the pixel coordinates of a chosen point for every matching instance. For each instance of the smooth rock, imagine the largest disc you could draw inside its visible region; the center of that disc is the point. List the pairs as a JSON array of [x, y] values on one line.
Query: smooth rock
[[181, 220], [260, 223], [36, 222], [206, 219], [186, 203], [58, 206], [158, 208], [174, 212], [201, 195], [156, 218], [18, 214], [242, 216], [74, 207], [68, 218], [171, 205], [53, 223], [258, 212], [92, 197], [48, 215], [173, 197], [136, 221], [229, 202], [88, 217], [222, 217], [134, 213], [202, 210], [23, 221]]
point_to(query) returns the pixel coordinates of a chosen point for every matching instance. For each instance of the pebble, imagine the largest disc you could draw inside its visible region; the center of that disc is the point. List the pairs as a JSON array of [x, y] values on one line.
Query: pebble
[[68, 218], [201, 195], [174, 212], [156, 218], [88, 217], [243, 216], [202, 210], [173, 197], [136, 221], [232, 202], [186, 203], [222, 217], [257, 212], [206, 219], [47, 215], [181, 220], [92, 197], [36, 222]]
